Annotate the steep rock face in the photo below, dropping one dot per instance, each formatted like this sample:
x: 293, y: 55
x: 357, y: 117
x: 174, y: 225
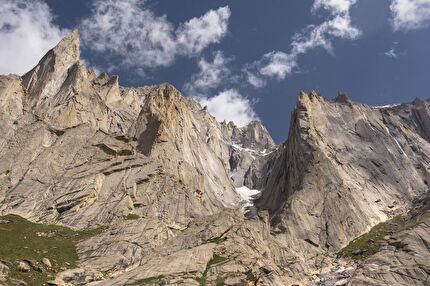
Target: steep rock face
x: 189, y: 142
x: 161, y: 175
x: 44, y: 81
x: 403, y: 258
x: 91, y: 141
x: 252, y: 136
x: 81, y: 151
x: 12, y: 98
x: 63, y: 92
x: 249, y: 148
x: 344, y: 168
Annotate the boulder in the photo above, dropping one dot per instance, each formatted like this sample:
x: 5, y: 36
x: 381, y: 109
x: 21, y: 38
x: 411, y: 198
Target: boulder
x: 22, y: 266
x: 47, y: 262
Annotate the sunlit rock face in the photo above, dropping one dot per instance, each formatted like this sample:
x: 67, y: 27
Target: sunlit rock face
x: 184, y: 199
x: 347, y: 166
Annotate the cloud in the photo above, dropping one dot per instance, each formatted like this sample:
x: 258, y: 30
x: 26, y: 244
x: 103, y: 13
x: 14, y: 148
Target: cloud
x: 230, y: 105
x: 391, y: 53
x: 227, y: 105
x: 278, y: 64
x: 322, y: 35
x: 27, y: 32
x: 334, y: 6
x: 274, y: 64
x: 210, y: 75
x: 410, y: 14
x: 198, y: 33
x: 130, y: 31
x: 254, y: 80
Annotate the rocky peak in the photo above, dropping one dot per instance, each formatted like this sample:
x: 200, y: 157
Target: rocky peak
x: 45, y: 80
x: 418, y: 101
x: 255, y: 134
x: 61, y: 90
x: 175, y: 130
x: 170, y: 184
x: 340, y: 148
x: 305, y: 99
x: 251, y: 136
x: 158, y: 118
x: 342, y: 97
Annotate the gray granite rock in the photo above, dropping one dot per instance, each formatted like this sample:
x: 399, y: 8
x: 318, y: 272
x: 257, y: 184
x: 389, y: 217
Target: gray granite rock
x: 82, y: 151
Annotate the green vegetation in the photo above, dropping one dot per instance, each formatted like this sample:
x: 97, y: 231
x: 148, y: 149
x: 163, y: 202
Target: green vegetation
x: 371, y: 241
x: 221, y: 238
x: 24, y: 240
x: 220, y: 281
x: 148, y: 280
x: 132, y: 216
x: 218, y: 239
x: 214, y: 260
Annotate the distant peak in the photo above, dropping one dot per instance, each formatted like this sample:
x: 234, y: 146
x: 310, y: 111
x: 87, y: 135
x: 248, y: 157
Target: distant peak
x: 418, y: 101
x: 314, y: 93
x: 305, y: 99
x: 45, y: 79
x: 342, y: 97
x: 66, y: 53
x: 72, y: 37
x: 69, y: 46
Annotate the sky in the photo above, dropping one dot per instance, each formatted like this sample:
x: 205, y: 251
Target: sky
x: 244, y: 59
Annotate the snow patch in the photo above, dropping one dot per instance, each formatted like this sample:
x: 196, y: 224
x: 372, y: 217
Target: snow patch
x: 252, y: 152
x: 248, y: 195
x: 397, y: 142
x: 368, y: 121
x: 385, y: 106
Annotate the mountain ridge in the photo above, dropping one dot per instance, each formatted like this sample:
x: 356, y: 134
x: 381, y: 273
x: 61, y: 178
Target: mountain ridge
x: 161, y: 175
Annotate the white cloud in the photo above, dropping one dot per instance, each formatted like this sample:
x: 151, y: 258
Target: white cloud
x: 230, y: 105
x: 322, y: 35
x: 410, y: 14
x: 198, y: 33
x: 227, y: 105
x: 342, y: 27
x: 27, y: 32
x: 210, y: 75
x: 131, y: 31
x: 391, y: 53
x: 334, y: 6
x: 279, y: 64
x: 254, y: 80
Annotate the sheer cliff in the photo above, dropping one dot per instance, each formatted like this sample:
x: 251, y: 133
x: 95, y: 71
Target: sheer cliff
x: 178, y: 198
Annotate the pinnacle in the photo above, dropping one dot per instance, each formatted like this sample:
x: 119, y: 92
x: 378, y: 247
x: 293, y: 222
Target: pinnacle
x: 69, y: 46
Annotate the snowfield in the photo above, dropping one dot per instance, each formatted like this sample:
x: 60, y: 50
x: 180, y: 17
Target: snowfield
x: 248, y: 195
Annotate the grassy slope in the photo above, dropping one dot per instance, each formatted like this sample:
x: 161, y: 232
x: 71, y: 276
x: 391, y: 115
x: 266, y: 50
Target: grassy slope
x: 21, y: 239
x: 371, y: 241
x: 214, y: 260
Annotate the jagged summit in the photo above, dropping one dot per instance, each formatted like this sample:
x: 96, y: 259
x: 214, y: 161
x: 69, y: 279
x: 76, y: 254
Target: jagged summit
x: 52, y: 67
x: 185, y: 200
x: 66, y: 52
x: 342, y: 97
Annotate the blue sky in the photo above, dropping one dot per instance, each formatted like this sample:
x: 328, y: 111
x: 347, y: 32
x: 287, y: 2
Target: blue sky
x: 245, y: 59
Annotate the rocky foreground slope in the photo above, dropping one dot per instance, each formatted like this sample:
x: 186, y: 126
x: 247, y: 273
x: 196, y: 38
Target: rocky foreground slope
x: 170, y: 196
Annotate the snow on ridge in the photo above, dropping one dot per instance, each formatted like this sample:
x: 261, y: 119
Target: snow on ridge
x: 251, y: 151
x: 248, y: 195
x: 397, y: 142
x: 368, y: 121
x: 385, y: 106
